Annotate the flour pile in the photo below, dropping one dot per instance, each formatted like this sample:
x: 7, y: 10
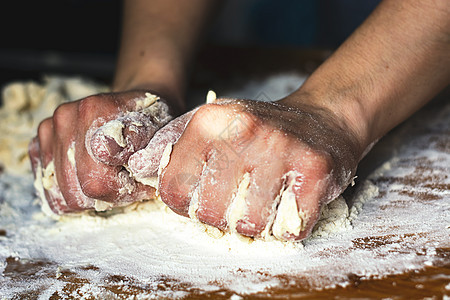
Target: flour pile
x: 166, y: 255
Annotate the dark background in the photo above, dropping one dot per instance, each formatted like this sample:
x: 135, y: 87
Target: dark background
x: 81, y: 37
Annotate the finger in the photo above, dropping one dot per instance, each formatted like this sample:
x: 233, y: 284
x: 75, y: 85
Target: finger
x: 309, y: 202
x: 45, y: 138
x: 210, y: 124
x: 66, y: 175
x: 33, y: 153
x: 64, y: 160
x: 179, y: 179
x: 96, y: 179
x: 181, y: 176
x: 107, y: 183
x: 115, y: 141
x: 218, y: 182
x: 264, y: 186
x: 52, y: 196
x: 305, y: 187
x: 51, y: 191
x: 56, y: 201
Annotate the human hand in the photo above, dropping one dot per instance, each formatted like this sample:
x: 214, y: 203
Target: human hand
x: 79, y: 154
x: 258, y: 168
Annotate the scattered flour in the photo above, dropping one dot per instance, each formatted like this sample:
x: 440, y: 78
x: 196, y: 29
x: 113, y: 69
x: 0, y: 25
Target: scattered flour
x: 150, y: 244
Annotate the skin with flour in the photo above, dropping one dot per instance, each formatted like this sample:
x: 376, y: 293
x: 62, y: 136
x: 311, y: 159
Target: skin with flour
x: 137, y: 120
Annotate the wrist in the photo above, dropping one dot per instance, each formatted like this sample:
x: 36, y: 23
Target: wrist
x: 328, y: 131
x: 159, y: 67
x: 346, y: 113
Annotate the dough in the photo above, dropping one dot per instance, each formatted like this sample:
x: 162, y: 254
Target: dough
x: 237, y: 209
x: 211, y: 97
x: 334, y: 218
x: 114, y: 129
x: 149, y: 99
x: 289, y: 219
x: 25, y: 105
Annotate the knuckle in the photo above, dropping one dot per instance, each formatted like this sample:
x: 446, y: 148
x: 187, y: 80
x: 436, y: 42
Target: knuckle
x: 324, y: 163
x: 91, y: 105
x: 224, y: 121
x: 206, y: 109
x: 94, y: 106
x: 201, y: 114
x: 62, y: 116
x: 45, y: 128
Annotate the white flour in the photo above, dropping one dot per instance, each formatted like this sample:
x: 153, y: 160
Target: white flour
x: 151, y: 245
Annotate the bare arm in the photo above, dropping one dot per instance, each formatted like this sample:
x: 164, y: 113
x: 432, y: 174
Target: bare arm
x: 158, y: 40
x: 392, y: 65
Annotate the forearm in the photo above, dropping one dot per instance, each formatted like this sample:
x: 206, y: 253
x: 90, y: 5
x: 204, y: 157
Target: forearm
x: 158, y: 40
x: 391, y: 66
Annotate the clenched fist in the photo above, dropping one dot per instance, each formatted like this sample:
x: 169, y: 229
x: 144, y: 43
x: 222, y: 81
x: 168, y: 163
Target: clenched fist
x: 80, y: 152
x: 253, y: 167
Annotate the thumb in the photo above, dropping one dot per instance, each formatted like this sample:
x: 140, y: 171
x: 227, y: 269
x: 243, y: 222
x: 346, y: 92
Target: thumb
x: 115, y: 141
x: 144, y: 164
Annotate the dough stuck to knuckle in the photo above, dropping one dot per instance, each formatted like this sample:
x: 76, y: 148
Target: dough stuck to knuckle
x: 113, y: 142
x: 149, y: 100
x: 193, y: 206
x: 151, y: 108
x: 267, y: 233
x: 238, y: 207
x: 141, y: 175
x: 48, y: 178
x: 289, y: 220
x: 194, y: 200
x: 165, y: 158
x: 114, y: 130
